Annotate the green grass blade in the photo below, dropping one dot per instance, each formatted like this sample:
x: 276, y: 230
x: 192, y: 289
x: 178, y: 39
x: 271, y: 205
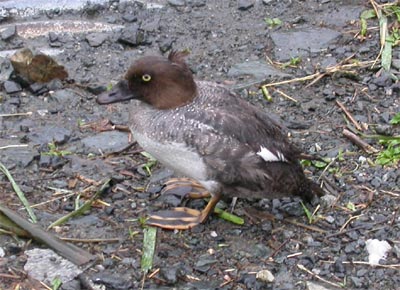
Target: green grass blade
x: 387, y: 56
x: 228, y: 216
x: 149, y: 245
x: 84, y: 207
x: 19, y: 192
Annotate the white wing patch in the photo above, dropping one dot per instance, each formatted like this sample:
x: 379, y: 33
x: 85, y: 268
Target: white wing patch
x: 269, y: 156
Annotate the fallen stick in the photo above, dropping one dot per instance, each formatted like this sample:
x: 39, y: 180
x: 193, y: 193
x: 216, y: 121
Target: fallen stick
x: 349, y: 115
x: 74, y: 254
x: 359, y: 142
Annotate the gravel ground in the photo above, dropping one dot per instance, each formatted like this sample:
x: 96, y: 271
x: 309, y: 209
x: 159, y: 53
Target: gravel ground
x: 231, y: 43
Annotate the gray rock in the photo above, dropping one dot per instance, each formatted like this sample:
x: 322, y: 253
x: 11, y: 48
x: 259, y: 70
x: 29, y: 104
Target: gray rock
x: 340, y: 16
x: 8, y: 33
x: 177, y: 2
x: 96, y: 39
x: 197, y: 3
x: 204, y: 263
x: 265, y: 276
x: 261, y: 251
x: 6, y: 68
x: 51, y: 161
x: 133, y: 36
x: 45, y: 265
x: 166, y: 44
x: 396, y: 64
x: 257, y: 70
x: 357, y: 282
x: 171, y: 274
x: 301, y: 43
x: 4, y: 14
x: 53, y: 36
x: 292, y: 208
x: 384, y: 80
x: 113, y: 280
x: 55, y: 85
x: 18, y: 156
x: 130, y: 17
x: 245, y: 4
x: 314, y: 286
x: 45, y: 135
x: 38, y: 88
x: 327, y: 200
x: 106, y: 142
x: 61, y: 98
x: 12, y: 87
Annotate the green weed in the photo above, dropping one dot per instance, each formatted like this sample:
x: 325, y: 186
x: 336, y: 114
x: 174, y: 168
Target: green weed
x: 391, y: 154
x: 272, y: 22
x: 54, y: 151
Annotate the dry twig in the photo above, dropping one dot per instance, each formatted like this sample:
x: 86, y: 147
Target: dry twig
x: 359, y: 142
x: 301, y: 267
x: 349, y: 115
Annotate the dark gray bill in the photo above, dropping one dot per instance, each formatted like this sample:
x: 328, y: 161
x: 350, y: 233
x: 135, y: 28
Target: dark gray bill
x: 120, y: 92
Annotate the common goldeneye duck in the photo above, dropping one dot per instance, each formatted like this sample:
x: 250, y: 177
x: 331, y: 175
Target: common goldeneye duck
x: 206, y: 132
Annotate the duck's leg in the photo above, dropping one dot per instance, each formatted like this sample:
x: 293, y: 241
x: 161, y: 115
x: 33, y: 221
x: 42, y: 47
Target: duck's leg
x: 184, y: 188
x: 183, y: 218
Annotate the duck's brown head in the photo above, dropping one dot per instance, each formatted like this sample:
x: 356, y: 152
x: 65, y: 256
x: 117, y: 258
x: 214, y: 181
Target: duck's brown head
x: 164, y: 83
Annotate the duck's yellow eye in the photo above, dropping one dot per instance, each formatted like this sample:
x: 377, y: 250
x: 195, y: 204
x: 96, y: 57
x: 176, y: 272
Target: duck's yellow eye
x: 146, y: 78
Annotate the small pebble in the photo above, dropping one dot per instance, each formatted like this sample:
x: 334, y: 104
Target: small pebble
x: 265, y: 276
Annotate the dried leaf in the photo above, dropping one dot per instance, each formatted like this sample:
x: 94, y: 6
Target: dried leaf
x: 37, y: 68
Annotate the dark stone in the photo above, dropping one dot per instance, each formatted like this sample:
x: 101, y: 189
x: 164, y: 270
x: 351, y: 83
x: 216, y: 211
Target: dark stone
x: 45, y: 135
x: 357, y: 282
x: 92, y: 9
x: 14, y: 101
x: 96, y: 89
x: 261, y: 251
x: 177, y: 2
x: 171, y: 274
x: 20, y: 80
x: 71, y: 285
x: 38, y: 88
x: 4, y: 14
x: 108, y: 262
x: 384, y: 80
x: 118, y: 196
x: 53, y: 36
x: 112, y: 281
x: 129, y: 17
x: 376, y: 182
x: 12, y: 87
x: 96, y: 39
x: 245, y: 4
x: 133, y: 36
x: 49, y: 161
x: 204, y: 263
x: 6, y: 68
x: 14, y: 249
x: 197, y: 3
x: 293, y: 208
x: 8, y: 33
x: 386, y: 130
x: 166, y: 44
x: 109, y: 210
x: 55, y: 85
x: 45, y: 160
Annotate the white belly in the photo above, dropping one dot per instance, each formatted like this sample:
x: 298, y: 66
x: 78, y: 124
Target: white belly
x: 175, y: 156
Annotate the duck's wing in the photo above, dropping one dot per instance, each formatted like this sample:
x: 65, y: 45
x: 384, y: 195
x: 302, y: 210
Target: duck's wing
x: 244, y: 148
x: 243, y: 126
